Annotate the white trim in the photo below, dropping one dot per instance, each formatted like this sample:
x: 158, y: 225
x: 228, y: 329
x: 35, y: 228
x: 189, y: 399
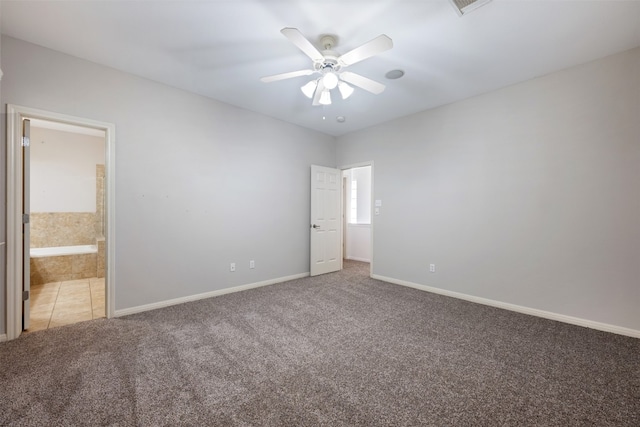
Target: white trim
x: 355, y: 258
x: 3, y: 337
x: 14, y: 224
x: 110, y: 218
x: 15, y: 114
x: 517, y: 308
x: 65, y: 127
x: 190, y: 298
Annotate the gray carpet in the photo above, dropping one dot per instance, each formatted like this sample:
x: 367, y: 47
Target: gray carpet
x: 335, y: 350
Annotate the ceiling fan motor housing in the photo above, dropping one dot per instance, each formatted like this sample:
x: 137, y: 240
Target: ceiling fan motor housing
x: 330, y: 63
x: 328, y: 41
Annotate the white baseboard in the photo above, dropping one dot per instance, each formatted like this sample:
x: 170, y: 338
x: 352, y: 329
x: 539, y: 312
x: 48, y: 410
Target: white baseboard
x: 355, y: 258
x: 517, y: 308
x: 3, y: 337
x: 181, y: 300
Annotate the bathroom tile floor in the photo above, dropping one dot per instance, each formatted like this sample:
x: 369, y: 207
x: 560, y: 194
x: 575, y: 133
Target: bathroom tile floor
x: 62, y: 303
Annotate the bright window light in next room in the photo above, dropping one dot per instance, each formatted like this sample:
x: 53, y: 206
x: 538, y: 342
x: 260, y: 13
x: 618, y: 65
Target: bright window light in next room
x: 353, y: 211
x: 358, y: 195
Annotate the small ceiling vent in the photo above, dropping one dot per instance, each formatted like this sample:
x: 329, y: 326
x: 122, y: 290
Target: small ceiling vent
x: 465, y: 6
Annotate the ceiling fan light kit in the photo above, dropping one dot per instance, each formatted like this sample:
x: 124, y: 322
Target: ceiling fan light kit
x: 325, y: 97
x: 309, y: 88
x: 345, y: 90
x: 330, y: 65
x: 330, y: 80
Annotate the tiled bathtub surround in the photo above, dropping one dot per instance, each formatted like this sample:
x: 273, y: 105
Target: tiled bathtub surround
x: 56, y: 229
x: 99, y: 215
x: 51, y: 229
x: 99, y: 220
x: 61, y: 268
x: 100, y: 258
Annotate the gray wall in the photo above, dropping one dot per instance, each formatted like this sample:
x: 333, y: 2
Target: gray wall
x: 529, y: 195
x: 3, y: 197
x: 199, y: 184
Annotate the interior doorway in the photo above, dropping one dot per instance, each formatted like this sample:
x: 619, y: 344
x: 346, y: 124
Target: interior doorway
x: 358, y: 212
x: 62, y: 169
x: 66, y: 253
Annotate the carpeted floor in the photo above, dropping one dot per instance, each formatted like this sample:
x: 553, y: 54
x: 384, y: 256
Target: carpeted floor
x: 335, y: 350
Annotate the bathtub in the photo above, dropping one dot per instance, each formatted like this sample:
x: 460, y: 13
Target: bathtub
x: 62, y: 263
x: 63, y: 250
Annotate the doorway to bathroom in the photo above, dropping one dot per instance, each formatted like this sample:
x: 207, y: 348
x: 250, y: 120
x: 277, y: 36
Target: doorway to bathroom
x: 66, y: 221
x: 60, y: 220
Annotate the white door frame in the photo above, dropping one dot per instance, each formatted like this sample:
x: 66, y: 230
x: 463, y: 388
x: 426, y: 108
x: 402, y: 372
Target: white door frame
x: 359, y: 165
x: 15, y: 114
x: 26, y: 226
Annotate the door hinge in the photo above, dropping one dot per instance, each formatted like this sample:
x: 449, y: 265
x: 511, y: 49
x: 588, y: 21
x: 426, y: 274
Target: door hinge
x: 26, y: 141
x: 25, y: 218
x: 25, y: 295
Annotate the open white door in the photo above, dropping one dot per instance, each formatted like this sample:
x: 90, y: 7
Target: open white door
x: 326, y: 222
x: 26, y: 244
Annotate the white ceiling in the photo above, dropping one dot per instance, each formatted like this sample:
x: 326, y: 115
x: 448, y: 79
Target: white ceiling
x: 221, y: 48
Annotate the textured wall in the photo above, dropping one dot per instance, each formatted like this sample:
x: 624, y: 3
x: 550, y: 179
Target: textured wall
x: 3, y: 196
x: 528, y: 195
x: 100, y: 207
x: 49, y: 229
x: 61, y: 268
x: 63, y: 170
x: 198, y: 183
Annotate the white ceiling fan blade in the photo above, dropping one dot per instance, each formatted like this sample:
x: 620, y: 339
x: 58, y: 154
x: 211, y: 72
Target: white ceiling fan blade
x: 316, y: 96
x: 367, y: 50
x: 289, y: 75
x: 362, y: 82
x: 296, y: 37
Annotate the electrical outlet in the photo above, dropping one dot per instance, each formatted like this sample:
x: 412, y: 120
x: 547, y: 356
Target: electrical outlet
x: 232, y: 266
x: 432, y: 268
x: 252, y: 264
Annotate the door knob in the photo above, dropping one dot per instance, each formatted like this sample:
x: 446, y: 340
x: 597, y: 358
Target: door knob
x: 315, y: 226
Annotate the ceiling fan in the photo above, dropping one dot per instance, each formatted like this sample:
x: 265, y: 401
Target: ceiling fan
x: 330, y: 65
